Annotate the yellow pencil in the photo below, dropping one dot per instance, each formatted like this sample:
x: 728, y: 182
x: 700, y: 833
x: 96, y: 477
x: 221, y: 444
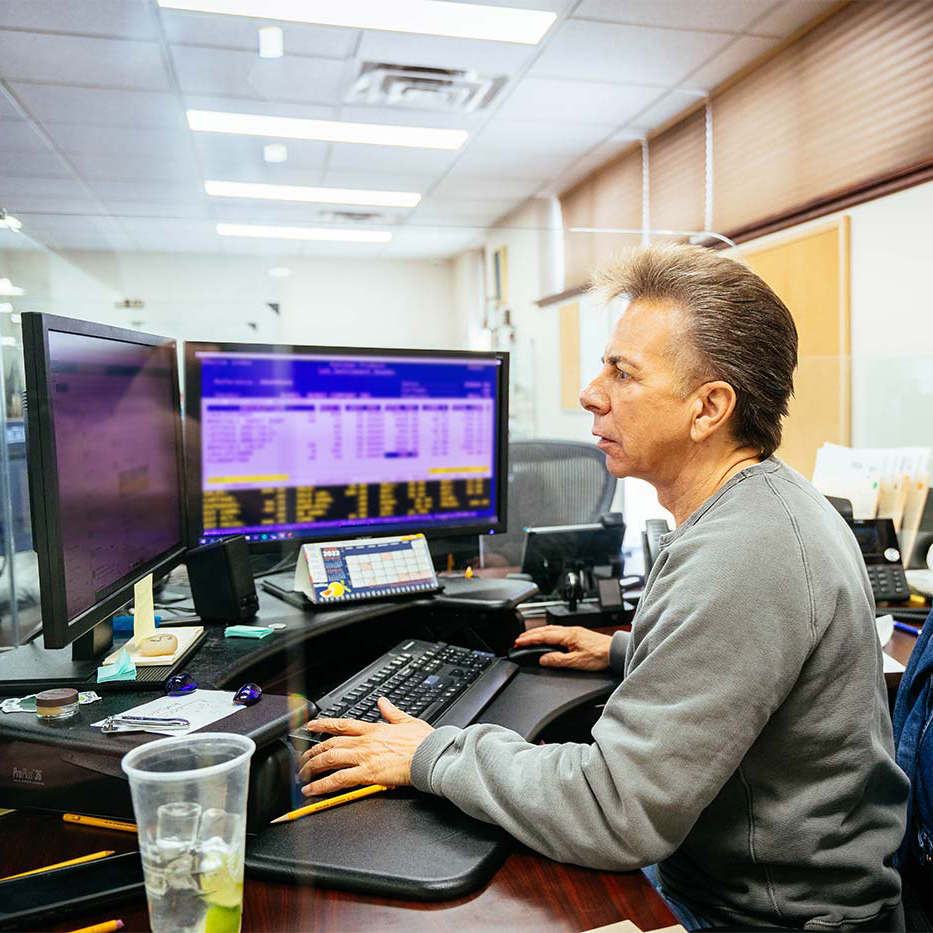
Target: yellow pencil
x: 331, y: 802
x: 71, y: 861
x: 94, y: 821
x: 109, y: 927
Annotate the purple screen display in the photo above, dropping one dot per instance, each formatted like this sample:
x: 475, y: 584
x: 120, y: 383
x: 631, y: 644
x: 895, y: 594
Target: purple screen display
x: 114, y: 410
x: 297, y: 442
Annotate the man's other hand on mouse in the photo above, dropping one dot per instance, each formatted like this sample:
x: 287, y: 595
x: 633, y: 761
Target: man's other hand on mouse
x: 586, y: 650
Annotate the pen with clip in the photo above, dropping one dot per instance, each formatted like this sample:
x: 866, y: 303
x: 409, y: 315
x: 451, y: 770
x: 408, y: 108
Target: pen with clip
x: 119, y: 723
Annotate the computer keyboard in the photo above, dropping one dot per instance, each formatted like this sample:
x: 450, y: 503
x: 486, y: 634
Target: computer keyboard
x: 437, y: 682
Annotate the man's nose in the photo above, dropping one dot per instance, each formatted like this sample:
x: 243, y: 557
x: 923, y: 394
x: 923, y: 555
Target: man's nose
x: 594, y: 398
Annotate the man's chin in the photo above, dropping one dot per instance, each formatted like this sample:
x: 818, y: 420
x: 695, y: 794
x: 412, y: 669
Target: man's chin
x: 617, y: 465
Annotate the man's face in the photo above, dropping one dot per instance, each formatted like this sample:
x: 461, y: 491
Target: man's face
x: 642, y: 424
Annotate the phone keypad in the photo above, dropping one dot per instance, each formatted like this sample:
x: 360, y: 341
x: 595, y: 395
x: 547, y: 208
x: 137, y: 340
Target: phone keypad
x: 888, y: 582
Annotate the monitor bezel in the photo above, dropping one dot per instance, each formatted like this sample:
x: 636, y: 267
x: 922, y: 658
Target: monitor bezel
x: 192, y: 402
x: 42, y: 463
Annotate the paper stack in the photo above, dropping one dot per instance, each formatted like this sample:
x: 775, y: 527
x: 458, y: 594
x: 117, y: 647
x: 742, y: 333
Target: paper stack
x: 880, y: 482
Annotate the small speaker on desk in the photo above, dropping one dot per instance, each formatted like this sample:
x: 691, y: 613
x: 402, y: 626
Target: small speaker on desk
x: 222, y: 583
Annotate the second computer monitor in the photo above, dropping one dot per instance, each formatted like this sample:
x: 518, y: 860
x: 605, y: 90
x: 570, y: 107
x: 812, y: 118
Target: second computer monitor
x: 304, y: 443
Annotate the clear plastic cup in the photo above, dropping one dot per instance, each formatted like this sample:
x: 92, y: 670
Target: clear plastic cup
x: 189, y: 796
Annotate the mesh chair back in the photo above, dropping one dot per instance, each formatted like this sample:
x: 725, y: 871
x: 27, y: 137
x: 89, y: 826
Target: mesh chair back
x: 551, y: 483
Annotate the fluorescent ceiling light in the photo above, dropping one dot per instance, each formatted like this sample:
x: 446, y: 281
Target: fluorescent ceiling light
x: 6, y: 307
x: 331, y: 131
x: 16, y: 318
x: 8, y: 288
x: 305, y: 233
x: 275, y: 152
x: 241, y: 189
x: 280, y: 272
x: 428, y: 17
x: 9, y: 222
x: 271, y: 43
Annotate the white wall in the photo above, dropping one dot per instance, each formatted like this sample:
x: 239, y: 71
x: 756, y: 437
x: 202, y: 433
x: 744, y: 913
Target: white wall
x: 393, y: 303
x: 891, y: 316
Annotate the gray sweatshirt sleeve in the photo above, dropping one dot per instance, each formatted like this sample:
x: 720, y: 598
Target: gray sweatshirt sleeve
x: 710, y: 662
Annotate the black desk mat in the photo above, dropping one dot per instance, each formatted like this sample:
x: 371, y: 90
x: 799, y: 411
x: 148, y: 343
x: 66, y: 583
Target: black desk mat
x: 403, y: 843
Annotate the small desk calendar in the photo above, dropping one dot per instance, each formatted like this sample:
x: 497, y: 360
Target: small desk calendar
x: 334, y: 572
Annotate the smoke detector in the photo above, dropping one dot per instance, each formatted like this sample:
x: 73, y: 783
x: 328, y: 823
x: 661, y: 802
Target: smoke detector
x: 442, y: 89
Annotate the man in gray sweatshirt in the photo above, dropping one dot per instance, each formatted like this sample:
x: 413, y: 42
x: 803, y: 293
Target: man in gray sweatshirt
x: 746, y: 755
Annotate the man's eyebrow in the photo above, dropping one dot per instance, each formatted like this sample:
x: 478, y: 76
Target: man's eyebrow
x: 615, y: 359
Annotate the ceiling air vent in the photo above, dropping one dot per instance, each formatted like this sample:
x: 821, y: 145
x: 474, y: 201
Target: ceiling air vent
x: 441, y: 89
x: 352, y: 217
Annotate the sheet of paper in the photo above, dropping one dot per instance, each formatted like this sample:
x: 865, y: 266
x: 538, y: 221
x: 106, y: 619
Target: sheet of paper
x: 200, y: 708
x: 892, y: 665
x: 143, y: 611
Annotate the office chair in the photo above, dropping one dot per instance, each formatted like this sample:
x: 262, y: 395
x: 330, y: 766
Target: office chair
x: 550, y: 483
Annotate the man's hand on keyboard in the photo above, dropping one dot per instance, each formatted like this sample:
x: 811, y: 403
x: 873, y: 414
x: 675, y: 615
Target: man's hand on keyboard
x: 363, y: 752
x: 586, y: 650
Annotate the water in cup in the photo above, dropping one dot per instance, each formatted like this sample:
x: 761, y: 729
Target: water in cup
x: 189, y: 797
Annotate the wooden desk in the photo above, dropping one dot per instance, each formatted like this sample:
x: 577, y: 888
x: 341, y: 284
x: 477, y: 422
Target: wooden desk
x: 529, y: 892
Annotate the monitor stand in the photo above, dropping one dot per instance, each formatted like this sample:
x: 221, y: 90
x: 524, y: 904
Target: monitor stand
x: 33, y: 667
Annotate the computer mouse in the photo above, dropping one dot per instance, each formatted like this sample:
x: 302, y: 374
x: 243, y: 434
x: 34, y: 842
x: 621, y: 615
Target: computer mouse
x: 529, y: 656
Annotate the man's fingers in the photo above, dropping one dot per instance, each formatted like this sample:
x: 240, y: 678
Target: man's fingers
x: 390, y: 712
x: 332, y: 742
x: 557, y: 659
x: 340, y: 726
x: 545, y: 635
x: 329, y: 761
x: 339, y: 780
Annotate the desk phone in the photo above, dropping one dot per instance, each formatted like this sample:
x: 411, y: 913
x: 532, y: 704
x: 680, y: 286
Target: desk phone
x: 339, y: 572
x: 877, y: 540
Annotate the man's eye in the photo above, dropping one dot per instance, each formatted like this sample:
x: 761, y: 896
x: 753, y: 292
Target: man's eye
x: 621, y: 374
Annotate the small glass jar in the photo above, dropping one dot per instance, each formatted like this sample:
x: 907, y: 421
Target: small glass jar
x: 57, y: 704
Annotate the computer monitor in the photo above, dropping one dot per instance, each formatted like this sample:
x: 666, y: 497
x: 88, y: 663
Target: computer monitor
x: 106, y: 476
x: 551, y: 551
x: 291, y: 444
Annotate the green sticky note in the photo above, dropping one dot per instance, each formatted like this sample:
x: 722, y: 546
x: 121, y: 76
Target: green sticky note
x: 246, y: 631
x: 122, y: 669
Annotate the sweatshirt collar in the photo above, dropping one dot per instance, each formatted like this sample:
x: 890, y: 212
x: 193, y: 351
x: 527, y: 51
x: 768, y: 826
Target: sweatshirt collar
x: 770, y: 465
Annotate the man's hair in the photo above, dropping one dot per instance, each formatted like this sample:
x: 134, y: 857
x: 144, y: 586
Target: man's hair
x: 737, y: 330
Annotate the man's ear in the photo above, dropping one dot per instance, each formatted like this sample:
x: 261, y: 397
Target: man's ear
x: 713, y: 407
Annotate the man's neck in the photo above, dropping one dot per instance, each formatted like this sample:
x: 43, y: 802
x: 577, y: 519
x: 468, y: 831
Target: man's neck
x: 700, y: 478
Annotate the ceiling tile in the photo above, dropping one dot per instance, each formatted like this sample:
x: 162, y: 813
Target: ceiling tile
x: 7, y: 109
x: 12, y: 240
x: 79, y: 231
x: 718, y: 15
x: 76, y: 138
x: 29, y: 189
x: 240, y: 32
x: 245, y: 74
x: 531, y: 150
x: 626, y: 54
x: 99, y: 107
x: 392, y: 160
x: 19, y: 136
x: 665, y: 109
x: 386, y: 182
x: 252, y: 246
x: 452, y: 213
x: 128, y: 19
x: 487, y: 58
x: 155, y: 233
x: 460, y: 184
x: 271, y: 108
x: 563, y: 101
x: 97, y: 165
x: 226, y: 156
x: 39, y: 165
x: 80, y: 60
x: 147, y: 191
x: 789, y: 16
x: 183, y: 210
x: 404, y: 116
x: 743, y: 51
